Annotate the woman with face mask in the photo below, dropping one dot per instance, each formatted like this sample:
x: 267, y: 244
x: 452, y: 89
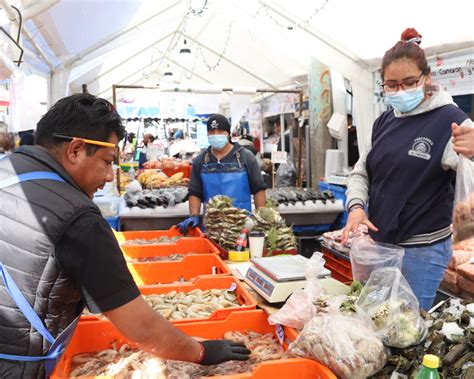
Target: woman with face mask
x: 223, y: 169
x: 405, y: 176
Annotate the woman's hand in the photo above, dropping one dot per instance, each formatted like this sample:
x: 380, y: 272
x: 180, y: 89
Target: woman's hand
x: 463, y: 140
x: 356, y: 217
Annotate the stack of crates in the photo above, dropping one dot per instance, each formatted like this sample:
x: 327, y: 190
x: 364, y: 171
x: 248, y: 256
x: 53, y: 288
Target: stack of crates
x: 200, y: 268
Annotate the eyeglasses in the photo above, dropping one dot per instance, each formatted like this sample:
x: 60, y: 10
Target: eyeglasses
x: 407, y: 84
x: 85, y: 140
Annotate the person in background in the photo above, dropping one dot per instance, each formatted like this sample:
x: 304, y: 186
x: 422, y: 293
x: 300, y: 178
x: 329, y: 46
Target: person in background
x: 27, y: 138
x: 223, y: 169
x: 286, y: 134
x: 58, y: 254
x: 141, y: 156
x: 178, y: 134
x: 148, y: 138
x: 7, y: 144
x: 406, y: 174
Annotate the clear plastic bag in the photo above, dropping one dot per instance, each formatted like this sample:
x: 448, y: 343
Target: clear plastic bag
x: 300, y: 308
x: 345, y: 344
x: 389, y: 304
x: 368, y: 255
x: 286, y: 175
x: 463, y: 215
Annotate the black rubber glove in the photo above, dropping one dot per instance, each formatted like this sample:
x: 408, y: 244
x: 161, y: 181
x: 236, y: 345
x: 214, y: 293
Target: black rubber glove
x: 218, y: 351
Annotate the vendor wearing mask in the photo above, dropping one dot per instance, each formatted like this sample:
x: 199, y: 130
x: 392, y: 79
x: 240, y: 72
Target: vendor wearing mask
x: 58, y: 254
x: 223, y: 169
x: 406, y: 173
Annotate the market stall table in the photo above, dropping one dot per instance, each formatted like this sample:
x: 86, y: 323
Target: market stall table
x: 136, y: 218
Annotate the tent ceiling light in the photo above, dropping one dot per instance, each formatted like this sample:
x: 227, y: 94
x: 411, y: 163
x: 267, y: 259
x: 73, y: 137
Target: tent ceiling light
x: 185, y: 49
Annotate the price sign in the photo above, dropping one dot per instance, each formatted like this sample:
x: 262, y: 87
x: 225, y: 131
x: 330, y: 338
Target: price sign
x: 280, y: 333
x: 155, y: 150
x: 279, y: 156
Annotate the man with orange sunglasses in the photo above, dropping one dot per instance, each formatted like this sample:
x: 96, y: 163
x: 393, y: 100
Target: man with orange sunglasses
x: 58, y: 254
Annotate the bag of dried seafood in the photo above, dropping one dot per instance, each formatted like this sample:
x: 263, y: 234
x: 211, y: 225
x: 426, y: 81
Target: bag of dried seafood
x: 300, y: 308
x: 368, y: 255
x: 390, y: 306
x: 463, y: 215
x: 345, y: 344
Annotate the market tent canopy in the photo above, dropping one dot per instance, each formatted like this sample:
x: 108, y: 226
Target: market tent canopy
x: 233, y: 43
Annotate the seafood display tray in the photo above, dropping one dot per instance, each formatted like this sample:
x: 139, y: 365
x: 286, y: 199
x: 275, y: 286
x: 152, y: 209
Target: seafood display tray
x: 203, y: 283
x: 189, y: 268
x: 151, y: 234
x: 183, y: 246
x: 150, y: 222
x: 95, y: 336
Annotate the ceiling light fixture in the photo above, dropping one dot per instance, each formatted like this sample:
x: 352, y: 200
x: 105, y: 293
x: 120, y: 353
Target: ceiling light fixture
x: 168, y: 75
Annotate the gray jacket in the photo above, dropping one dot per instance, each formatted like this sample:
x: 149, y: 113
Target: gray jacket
x: 33, y: 217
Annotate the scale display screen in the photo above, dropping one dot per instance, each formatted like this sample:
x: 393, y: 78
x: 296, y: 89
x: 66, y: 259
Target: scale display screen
x: 282, y: 268
x: 260, y: 282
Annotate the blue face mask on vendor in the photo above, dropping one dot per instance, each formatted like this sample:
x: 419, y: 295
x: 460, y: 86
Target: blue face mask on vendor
x: 405, y: 100
x: 218, y: 141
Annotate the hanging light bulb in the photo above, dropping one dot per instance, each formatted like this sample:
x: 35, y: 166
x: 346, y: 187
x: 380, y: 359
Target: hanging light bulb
x: 185, y: 54
x: 168, y: 75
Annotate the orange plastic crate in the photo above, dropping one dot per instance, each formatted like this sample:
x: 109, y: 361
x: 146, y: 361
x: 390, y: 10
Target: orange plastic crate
x: 203, y: 283
x: 150, y: 234
x: 183, y: 246
x: 95, y: 336
x: 186, y: 170
x: 189, y: 268
x: 340, y: 268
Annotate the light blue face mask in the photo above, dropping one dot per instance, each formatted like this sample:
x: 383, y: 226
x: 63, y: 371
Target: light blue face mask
x: 218, y: 141
x: 405, y: 101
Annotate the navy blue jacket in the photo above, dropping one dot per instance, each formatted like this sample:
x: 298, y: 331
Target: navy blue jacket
x: 410, y: 193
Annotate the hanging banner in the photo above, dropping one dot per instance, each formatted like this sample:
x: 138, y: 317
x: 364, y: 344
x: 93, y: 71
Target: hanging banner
x: 279, y: 103
x: 255, y: 123
x: 455, y: 73
x: 320, y: 111
x: 238, y: 106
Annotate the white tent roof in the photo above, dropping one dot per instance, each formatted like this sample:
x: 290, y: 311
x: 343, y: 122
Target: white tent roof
x: 259, y: 43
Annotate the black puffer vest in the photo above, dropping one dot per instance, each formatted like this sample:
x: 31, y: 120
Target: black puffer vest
x: 33, y: 217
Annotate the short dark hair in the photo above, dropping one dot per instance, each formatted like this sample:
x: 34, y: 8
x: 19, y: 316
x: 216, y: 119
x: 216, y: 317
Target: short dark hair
x: 80, y: 115
x: 408, y: 47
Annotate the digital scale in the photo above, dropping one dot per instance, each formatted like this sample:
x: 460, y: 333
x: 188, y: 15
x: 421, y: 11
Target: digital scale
x: 276, y: 278
x: 339, y: 179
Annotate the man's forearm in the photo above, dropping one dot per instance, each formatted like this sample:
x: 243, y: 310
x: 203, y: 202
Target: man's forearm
x: 260, y: 199
x: 138, y: 322
x: 194, y: 205
x: 168, y: 342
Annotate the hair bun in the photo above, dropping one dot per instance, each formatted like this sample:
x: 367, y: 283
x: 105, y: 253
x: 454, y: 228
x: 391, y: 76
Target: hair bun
x: 411, y: 35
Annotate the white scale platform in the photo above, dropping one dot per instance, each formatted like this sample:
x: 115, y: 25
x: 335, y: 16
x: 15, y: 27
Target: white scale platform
x: 276, y: 278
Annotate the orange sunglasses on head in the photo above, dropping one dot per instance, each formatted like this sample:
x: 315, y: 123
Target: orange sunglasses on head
x: 85, y: 140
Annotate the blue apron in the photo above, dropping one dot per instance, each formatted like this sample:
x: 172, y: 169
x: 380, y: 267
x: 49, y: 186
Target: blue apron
x: 59, y: 344
x: 229, y: 179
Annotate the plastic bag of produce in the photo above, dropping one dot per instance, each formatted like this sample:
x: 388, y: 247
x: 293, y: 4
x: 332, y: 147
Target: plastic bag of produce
x: 368, y: 256
x: 345, y: 344
x: 463, y: 215
x: 389, y: 304
x: 286, y: 175
x: 300, y: 308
